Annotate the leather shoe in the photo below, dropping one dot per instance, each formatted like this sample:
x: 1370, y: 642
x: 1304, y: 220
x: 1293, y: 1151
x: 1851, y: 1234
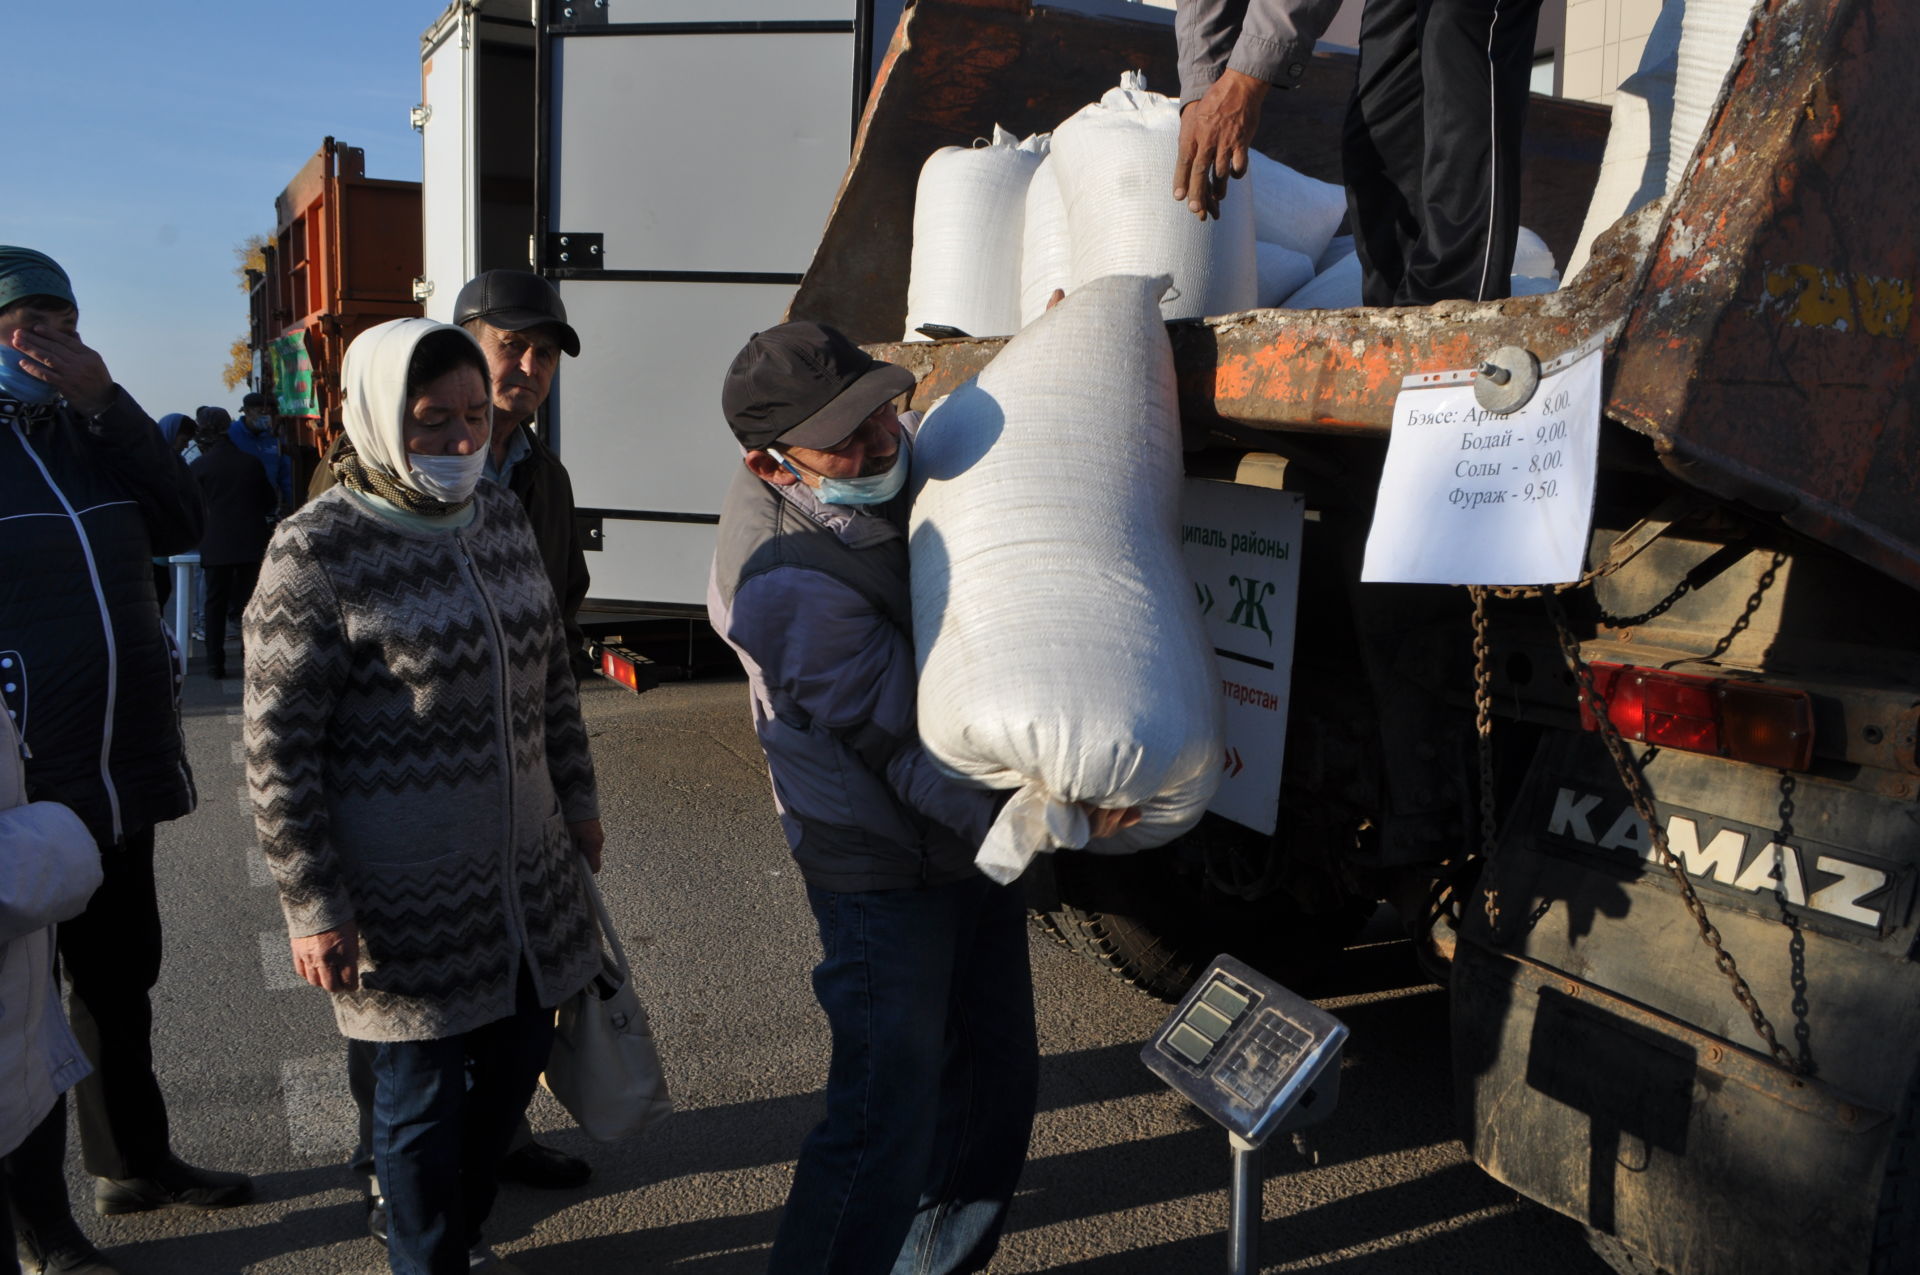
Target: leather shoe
x: 545, y: 1167
x: 174, y: 1182
x: 61, y: 1250
x: 377, y: 1216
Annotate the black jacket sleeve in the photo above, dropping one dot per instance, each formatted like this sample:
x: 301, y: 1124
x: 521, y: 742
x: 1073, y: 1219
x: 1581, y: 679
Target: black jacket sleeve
x: 125, y: 443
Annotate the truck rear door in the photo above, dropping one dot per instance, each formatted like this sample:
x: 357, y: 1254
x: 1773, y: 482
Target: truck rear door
x: 689, y: 154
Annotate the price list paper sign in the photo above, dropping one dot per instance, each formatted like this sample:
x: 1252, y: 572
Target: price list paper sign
x: 1470, y: 496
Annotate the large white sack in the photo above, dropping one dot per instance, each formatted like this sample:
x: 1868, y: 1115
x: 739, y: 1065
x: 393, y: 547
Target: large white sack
x: 1531, y: 257
x: 1335, y: 288
x: 1710, y: 32
x: 1633, y: 170
x: 1290, y: 208
x: 1282, y: 272
x: 1337, y: 248
x: 967, y: 215
x: 1114, y: 163
x: 1060, y: 650
x: 1046, y: 258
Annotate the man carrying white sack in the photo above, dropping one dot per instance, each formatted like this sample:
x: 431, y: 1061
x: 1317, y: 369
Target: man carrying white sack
x: 1431, y: 149
x: 924, y: 976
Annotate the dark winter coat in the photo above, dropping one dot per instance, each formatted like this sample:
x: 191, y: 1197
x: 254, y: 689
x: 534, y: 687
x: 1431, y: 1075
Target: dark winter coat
x: 89, y: 674
x: 240, y: 504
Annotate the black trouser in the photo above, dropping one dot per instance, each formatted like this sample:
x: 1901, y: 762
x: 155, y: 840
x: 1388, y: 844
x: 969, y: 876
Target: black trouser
x: 1432, y: 147
x: 229, y: 586
x: 111, y: 956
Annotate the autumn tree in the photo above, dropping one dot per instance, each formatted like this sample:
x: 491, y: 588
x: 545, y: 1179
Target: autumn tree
x: 250, y: 254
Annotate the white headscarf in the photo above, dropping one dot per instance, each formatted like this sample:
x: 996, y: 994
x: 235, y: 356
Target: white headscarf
x: 373, y: 392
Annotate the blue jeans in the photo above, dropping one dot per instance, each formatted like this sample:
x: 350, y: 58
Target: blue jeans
x: 931, y: 1090
x: 443, y: 1111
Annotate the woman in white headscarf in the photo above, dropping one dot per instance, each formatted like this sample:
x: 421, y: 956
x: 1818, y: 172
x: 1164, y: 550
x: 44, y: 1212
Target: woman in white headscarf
x: 420, y: 779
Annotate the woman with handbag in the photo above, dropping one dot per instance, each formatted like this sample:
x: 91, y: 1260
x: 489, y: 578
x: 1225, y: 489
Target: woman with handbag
x: 420, y: 780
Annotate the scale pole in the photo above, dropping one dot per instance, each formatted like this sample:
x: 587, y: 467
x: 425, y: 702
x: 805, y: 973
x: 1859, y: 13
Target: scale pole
x: 1243, y: 1219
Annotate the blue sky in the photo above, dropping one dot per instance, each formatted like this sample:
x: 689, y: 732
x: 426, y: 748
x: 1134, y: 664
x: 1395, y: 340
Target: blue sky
x: 154, y: 138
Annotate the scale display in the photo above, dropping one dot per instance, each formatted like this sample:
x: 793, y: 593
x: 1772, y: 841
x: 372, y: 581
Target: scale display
x: 1249, y: 1053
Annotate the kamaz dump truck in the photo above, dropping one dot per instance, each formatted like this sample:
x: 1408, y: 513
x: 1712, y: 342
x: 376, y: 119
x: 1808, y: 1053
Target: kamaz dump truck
x: 1675, y: 873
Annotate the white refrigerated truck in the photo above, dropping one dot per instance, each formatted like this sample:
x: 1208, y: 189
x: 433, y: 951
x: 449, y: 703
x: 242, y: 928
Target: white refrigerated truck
x: 669, y: 164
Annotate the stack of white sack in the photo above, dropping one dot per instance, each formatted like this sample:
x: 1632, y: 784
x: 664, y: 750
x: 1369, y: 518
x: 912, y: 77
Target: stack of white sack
x: 1290, y: 209
x: 1114, y: 164
x: 967, y: 215
x: 1060, y: 651
x: 1337, y: 286
x: 1662, y: 109
x: 1046, y: 256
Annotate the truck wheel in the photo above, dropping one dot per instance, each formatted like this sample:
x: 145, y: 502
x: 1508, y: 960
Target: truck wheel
x: 1154, y: 920
x: 1896, y: 1231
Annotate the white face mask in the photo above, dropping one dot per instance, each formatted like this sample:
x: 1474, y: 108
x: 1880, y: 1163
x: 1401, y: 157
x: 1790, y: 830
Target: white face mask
x: 448, y: 478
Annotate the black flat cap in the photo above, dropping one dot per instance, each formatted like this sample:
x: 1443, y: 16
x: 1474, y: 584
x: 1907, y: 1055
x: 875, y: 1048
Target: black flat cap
x: 805, y: 385
x: 515, y: 300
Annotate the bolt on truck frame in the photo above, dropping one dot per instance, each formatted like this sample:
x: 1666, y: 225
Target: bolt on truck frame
x: 1686, y: 1008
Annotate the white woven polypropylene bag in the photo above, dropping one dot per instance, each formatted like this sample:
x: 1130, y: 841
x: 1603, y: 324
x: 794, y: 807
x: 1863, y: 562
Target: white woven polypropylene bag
x: 1290, y: 208
x: 1633, y: 171
x: 1710, y: 32
x: 1060, y: 650
x: 1335, y: 288
x: 1114, y: 163
x: 1283, y: 272
x: 967, y: 215
x: 1046, y: 256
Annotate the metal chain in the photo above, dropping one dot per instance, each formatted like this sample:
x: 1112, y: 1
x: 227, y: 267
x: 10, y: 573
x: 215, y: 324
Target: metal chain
x: 1483, y: 730
x: 1635, y: 785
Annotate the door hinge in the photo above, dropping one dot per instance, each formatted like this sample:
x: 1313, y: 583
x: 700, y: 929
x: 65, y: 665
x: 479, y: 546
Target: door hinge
x: 571, y: 15
x: 422, y: 288
x: 570, y: 250
x: 419, y: 116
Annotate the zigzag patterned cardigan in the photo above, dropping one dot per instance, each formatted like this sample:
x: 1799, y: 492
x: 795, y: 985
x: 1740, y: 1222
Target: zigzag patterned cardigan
x: 414, y: 754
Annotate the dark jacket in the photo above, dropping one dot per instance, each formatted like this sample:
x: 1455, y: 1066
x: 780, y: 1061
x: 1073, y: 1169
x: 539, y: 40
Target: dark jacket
x: 546, y: 493
x: 240, y: 504
x: 815, y: 599
x: 86, y: 667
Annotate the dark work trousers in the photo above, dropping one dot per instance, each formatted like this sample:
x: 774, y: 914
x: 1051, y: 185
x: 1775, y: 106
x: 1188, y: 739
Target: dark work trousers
x: 360, y: 1085
x: 228, y: 589
x: 443, y: 1111
x: 931, y: 1088
x: 1432, y: 147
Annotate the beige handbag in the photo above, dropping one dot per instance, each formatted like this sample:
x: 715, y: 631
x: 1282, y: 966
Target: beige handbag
x: 605, y: 1068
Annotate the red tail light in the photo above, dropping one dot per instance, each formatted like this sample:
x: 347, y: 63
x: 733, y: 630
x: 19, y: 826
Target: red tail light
x: 621, y: 671
x: 1743, y: 721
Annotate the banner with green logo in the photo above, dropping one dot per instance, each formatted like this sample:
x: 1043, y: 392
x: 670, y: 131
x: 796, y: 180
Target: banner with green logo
x: 293, y: 375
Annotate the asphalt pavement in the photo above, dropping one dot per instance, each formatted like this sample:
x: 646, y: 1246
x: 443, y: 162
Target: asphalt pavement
x: 1124, y: 1178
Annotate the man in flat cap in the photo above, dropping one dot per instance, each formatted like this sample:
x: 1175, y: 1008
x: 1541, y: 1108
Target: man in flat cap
x: 91, y: 492
x: 923, y: 976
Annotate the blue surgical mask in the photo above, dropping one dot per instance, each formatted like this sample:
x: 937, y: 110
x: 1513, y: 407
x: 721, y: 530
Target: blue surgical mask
x: 875, y: 489
x: 17, y: 383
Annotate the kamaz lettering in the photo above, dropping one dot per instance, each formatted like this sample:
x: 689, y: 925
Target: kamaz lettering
x: 1724, y: 858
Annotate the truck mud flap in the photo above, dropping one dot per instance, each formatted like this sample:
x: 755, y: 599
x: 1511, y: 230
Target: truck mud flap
x: 1705, y: 1157
x: 1602, y: 1066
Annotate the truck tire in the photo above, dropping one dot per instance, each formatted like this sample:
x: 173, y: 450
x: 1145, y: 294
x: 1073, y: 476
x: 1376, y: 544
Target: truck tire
x: 1896, y: 1231
x: 1154, y: 921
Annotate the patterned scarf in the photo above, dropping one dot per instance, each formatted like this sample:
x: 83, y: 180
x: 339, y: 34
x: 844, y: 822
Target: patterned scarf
x: 356, y: 475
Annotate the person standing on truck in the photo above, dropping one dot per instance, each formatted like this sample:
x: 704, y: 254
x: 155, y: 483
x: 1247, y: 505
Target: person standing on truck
x: 1431, y: 149
x: 90, y: 492
x: 521, y: 325
x: 924, y: 975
